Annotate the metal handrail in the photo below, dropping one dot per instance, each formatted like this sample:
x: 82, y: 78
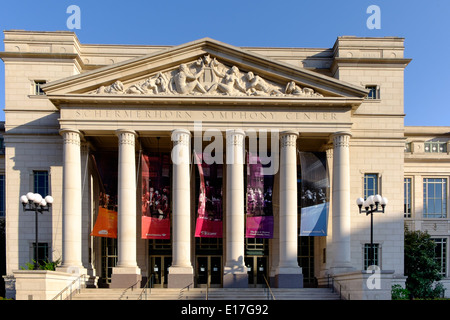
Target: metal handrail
x: 130, y: 287
x: 180, y: 295
x: 333, y: 286
x: 144, y: 290
x: 59, y: 296
x: 268, y: 287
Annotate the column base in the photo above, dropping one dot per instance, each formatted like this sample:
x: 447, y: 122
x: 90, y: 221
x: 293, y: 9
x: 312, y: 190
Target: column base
x: 125, y: 277
x: 235, y: 277
x: 180, y: 277
x: 289, y: 277
x: 344, y: 268
x: 72, y: 269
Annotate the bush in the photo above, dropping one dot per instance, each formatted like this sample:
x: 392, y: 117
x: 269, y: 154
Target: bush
x: 421, y: 267
x: 45, y: 265
x: 400, y: 293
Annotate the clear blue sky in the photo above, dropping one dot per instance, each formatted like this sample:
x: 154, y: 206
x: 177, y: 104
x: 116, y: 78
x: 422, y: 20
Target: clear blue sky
x: 289, y: 23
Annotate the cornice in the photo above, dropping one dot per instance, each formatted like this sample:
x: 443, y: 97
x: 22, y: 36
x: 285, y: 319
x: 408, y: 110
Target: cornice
x: 145, y: 101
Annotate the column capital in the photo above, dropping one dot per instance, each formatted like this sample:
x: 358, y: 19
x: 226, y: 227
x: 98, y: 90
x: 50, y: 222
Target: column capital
x: 71, y: 136
x: 66, y: 130
x: 341, y: 139
x: 126, y: 136
x: 288, y: 138
x: 181, y: 131
x: 181, y: 137
x: 289, y: 132
x: 235, y: 137
x: 119, y: 132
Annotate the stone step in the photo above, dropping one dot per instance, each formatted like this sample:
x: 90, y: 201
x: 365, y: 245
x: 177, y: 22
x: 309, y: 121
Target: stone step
x: 210, y: 294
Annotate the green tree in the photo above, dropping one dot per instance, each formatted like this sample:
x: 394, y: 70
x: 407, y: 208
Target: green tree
x: 421, y: 268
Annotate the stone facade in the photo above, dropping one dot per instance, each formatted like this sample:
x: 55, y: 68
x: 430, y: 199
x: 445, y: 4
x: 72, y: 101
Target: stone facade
x: 123, y: 98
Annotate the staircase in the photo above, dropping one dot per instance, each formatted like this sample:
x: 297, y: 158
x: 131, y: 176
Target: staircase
x: 210, y: 294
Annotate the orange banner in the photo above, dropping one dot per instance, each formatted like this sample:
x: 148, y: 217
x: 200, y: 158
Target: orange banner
x: 106, y: 224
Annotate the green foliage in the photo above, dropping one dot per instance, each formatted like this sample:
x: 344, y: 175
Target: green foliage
x: 399, y: 293
x: 45, y: 265
x: 421, y: 267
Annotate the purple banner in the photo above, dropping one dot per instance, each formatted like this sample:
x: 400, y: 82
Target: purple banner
x: 209, y: 213
x: 259, y: 222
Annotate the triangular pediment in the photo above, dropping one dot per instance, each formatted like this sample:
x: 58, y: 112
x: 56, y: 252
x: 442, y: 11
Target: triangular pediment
x: 203, y: 68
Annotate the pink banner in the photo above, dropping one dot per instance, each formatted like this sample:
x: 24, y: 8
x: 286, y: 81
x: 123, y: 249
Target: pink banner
x: 209, y: 213
x: 259, y: 222
x: 155, y: 223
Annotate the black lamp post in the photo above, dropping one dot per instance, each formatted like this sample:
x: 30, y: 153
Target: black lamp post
x: 34, y: 202
x: 372, y: 204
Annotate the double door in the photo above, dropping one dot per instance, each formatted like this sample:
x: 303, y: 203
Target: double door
x: 209, y: 271
x: 256, y: 271
x: 159, y: 269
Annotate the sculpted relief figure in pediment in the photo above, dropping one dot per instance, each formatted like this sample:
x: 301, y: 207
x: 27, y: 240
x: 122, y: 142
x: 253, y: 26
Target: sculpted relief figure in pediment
x: 207, y: 76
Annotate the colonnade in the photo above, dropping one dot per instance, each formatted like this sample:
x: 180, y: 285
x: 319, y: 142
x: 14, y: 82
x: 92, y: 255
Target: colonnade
x: 127, y: 272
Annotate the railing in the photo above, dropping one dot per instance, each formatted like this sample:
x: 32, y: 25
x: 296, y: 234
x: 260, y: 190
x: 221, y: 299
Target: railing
x: 180, y: 295
x: 70, y: 288
x: 333, y: 286
x: 270, y: 295
x: 148, y: 285
x: 126, y: 290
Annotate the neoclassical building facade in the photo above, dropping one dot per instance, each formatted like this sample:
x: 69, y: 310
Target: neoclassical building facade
x: 156, y: 143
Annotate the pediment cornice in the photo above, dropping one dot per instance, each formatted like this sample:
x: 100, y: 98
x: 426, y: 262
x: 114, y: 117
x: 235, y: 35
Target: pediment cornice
x: 203, y: 68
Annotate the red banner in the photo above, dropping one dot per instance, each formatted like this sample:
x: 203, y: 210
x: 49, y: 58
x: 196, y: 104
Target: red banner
x: 155, y: 197
x: 106, y: 224
x: 209, y: 213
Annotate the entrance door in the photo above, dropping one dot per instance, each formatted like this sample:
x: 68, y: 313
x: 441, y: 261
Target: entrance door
x: 159, y: 268
x: 209, y: 271
x: 256, y: 270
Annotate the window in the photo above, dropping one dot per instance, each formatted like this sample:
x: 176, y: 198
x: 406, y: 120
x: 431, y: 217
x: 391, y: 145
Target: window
x: 37, y: 90
x: 441, y: 254
x: 408, y: 147
x: 40, y: 183
x: 407, y: 198
x: 375, y: 255
x: 436, y: 147
x: 370, y: 184
x: 374, y: 92
x: 42, y: 252
x: 2, y: 195
x: 434, y: 198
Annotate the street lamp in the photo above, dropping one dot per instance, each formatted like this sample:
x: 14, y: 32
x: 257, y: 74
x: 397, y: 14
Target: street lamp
x: 372, y: 204
x: 34, y: 202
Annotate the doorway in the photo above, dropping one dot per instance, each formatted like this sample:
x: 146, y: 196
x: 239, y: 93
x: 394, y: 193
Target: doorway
x: 159, y: 269
x: 256, y: 270
x: 209, y: 271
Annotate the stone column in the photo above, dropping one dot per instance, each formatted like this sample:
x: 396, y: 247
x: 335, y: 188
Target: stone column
x: 235, y: 272
x: 181, y: 272
x: 71, y: 203
x: 289, y: 274
x: 341, y: 203
x: 126, y: 272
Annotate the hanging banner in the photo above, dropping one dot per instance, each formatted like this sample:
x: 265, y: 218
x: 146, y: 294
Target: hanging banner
x: 259, y: 217
x: 209, y: 213
x: 106, y: 224
x: 314, y: 194
x: 105, y: 168
x: 155, y: 222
